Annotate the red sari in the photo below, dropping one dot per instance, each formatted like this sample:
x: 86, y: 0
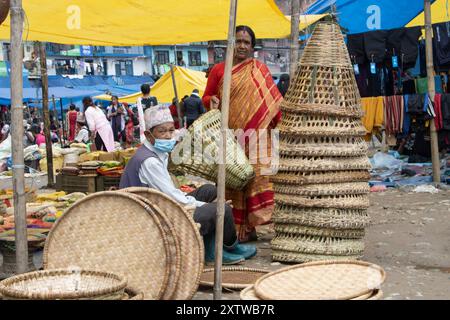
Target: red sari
x: 254, y: 104
x: 72, y: 124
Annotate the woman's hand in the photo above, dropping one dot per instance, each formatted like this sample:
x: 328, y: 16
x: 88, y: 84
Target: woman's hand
x: 215, y: 102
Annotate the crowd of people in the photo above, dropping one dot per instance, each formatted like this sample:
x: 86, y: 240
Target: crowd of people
x: 153, y: 127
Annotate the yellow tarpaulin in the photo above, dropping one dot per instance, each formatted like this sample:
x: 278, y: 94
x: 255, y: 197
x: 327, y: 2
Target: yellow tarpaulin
x: 141, y: 22
x: 439, y: 13
x: 186, y: 80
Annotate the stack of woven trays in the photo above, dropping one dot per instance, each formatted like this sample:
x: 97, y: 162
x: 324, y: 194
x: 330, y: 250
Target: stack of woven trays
x: 321, y: 189
x: 139, y: 233
x: 322, y: 280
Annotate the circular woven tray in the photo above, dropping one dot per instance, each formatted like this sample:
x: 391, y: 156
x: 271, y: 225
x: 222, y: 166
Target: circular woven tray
x: 301, y: 163
x: 249, y: 294
x: 358, y: 201
x: 320, y: 232
x: 189, y: 238
x: 233, y: 277
x: 316, y: 177
x: 326, y: 280
x: 321, y: 217
x: 323, y: 189
x: 377, y: 295
x: 317, y: 245
x: 64, y: 284
x: 307, y: 125
x: 300, y: 257
x: 174, y: 247
x: 116, y: 232
x: 322, y: 146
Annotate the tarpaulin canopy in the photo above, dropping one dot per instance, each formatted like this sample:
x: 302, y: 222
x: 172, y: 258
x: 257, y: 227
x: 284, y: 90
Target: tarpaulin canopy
x: 358, y: 16
x: 186, y: 81
x: 142, y: 22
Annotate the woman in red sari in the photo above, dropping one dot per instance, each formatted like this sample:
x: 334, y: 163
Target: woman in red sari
x: 72, y: 122
x: 254, y: 104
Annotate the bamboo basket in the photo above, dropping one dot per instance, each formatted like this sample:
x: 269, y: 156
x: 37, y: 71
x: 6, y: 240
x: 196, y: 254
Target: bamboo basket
x: 300, y: 257
x: 317, y: 177
x: 358, y: 201
x: 296, y: 229
x: 318, y: 245
x: 64, y: 284
x: 203, y: 144
x: 321, y: 217
x: 323, y: 189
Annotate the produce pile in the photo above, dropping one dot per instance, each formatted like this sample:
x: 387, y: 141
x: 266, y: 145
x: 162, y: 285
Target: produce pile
x: 42, y: 212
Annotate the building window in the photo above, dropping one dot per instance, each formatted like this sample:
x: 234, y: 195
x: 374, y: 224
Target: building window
x: 162, y: 57
x: 65, y: 67
x: 195, y: 58
x: 124, y: 67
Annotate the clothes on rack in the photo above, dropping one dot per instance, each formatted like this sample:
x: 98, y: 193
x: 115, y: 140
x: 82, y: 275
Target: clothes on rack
x: 394, y: 114
x: 373, y: 114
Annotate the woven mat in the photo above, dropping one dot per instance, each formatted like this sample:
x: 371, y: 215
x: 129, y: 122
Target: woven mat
x: 189, y: 238
x: 112, y: 231
x: 233, y: 277
x: 330, y: 280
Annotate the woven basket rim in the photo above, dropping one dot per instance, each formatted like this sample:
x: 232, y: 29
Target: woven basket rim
x: 246, y: 290
x: 193, y: 225
x: 231, y: 269
x: 149, y: 211
x: 262, y: 294
x: 5, y: 290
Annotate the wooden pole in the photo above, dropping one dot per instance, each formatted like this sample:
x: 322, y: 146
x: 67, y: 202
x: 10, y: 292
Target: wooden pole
x: 18, y: 167
x: 431, y: 91
x: 48, y: 138
x: 172, y: 73
x: 295, y: 22
x: 223, y: 151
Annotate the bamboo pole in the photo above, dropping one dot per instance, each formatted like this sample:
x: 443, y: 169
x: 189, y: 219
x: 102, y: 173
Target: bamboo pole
x: 18, y: 167
x: 172, y: 73
x: 431, y: 91
x: 223, y: 152
x: 295, y: 22
x: 48, y: 138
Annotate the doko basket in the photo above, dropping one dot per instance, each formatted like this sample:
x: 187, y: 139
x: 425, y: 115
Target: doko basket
x: 198, y: 153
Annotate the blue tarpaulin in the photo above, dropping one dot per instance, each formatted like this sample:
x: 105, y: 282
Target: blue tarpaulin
x: 73, y: 89
x: 358, y: 16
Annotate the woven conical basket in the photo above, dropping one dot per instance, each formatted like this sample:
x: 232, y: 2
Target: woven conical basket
x: 321, y: 189
x: 324, y: 83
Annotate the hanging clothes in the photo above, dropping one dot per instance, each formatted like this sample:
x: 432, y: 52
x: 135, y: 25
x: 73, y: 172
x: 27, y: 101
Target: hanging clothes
x: 373, y: 114
x: 437, y: 108
x: 406, y: 117
x: 416, y: 104
x: 409, y: 87
x: 441, y: 44
x: 375, y: 45
x: 394, y: 114
x: 445, y: 110
x: 355, y: 45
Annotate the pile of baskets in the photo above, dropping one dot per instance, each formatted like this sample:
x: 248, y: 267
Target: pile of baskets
x: 198, y: 153
x: 321, y: 189
x: 135, y: 243
x: 323, y: 280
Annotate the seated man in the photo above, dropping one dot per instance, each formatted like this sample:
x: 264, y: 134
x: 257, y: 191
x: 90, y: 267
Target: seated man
x: 148, y: 168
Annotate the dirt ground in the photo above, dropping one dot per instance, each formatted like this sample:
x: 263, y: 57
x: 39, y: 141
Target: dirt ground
x: 409, y: 237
